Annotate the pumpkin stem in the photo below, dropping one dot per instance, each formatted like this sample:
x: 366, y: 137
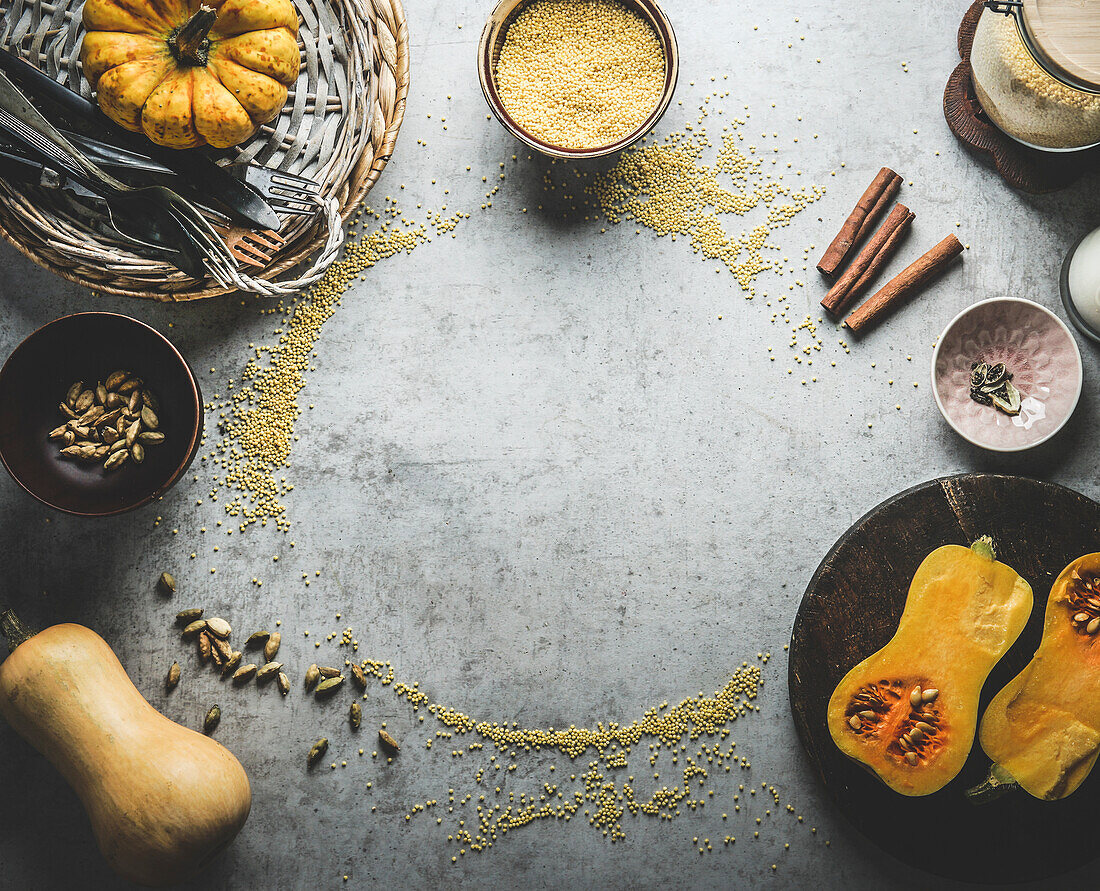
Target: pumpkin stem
x: 189, y: 42
x: 984, y: 547
x: 14, y: 630
x: 993, y: 786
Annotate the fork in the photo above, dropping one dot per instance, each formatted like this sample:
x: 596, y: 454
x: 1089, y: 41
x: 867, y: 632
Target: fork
x: 286, y: 192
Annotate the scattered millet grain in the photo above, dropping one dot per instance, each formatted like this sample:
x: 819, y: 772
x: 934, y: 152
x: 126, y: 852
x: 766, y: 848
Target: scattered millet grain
x: 580, y: 73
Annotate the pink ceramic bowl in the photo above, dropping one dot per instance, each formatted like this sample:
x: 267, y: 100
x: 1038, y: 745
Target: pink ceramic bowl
x: 1040, y: 352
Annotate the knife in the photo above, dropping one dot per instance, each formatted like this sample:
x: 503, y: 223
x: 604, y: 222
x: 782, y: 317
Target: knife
x: 243, y: 201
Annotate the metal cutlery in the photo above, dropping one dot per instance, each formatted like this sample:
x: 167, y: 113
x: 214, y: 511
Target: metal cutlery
x: 239, y: 198
x: 172, y: 221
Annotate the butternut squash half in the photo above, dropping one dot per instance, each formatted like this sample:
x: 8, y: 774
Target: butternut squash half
x: 1042, y: 731
x: 909, y: 711
x: 162, y: 799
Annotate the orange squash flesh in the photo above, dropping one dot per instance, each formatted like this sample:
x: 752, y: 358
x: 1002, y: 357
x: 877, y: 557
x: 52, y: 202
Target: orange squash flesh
x: 1043, y: 728
x: 162, y: 799
x: 909, y: 711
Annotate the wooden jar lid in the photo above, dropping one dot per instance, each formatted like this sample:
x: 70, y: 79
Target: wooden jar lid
x: 1067, y: 34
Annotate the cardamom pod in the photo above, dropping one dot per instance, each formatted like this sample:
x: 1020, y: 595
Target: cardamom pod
x: 166, y: 585
x: 216, y: 655
x: 114, y: 400
x: 137, y: 452
x: 59, y: 432
x: 115, y: 378
x: 222, y: 648
x: 284, y: 683
x: 211, y: 721
x: 272, y: 646
x: 149, y: 418
x: 256, y: 639
x: 388, y: 740
x: 312, y: 675
x: 132, y: 432
x: 69, y: 438
x: 173, y: 676
x: 150, y: 399
x: 219, y: 627
x: 129, y: 385
x: 74, y: 393
x: 244, y: 673
x: 359, y: 676
x: 205, y: 645
x: 268, y: 671
x: 100, y: 393
x: 67, y: 411
x: 317, y: 752
x: 327, y: 672
x: 134, y: 405
x: 194, y: 628
x: 329, y: 686
x: 188, y: 615
x: 115, y: 459
x: 83, y: 401
x: 356, y: 715
x: 232, y: 662
x: 151, y: 438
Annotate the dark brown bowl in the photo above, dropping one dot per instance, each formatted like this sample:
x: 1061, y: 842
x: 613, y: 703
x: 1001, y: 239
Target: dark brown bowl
x: 89, y: 346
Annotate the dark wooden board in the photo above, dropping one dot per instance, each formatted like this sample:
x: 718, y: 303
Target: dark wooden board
x: 851, y: 608
x: 1024, y: 168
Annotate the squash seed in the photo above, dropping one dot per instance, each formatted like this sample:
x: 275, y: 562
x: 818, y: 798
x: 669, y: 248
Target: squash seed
x: 328, y: 672
x: 268, y: 671
x: 173, y: 676
x: 317, y: 752
x: 1081, y: 617
x: 925, y: 728
x: 911, y: 757
x: 388, y: 740
x: 312, y: 675
x: 243, y: 673
x: 219, y: 627
x: 917, y: 735
x: 211, y: 720
x: 256, y: 639
x: 272, y: 646
x: 188, y: 615
x: 194, y: 628
x: 915, y: 696
x: 359, y: 677
x: 284, y: 683
x: 329, y: 685
x: 1093, y: 626
x: 867, y: 714
x: 355, y: 715
x: 929, y: 695
x: 166, y: 584
x: 854, y: 722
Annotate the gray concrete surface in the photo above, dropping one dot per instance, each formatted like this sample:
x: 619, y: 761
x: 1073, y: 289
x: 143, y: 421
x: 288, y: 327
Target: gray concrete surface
x: 552, y: 476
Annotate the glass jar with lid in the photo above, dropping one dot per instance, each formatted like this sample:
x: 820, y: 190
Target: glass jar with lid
x: 1036, y: 71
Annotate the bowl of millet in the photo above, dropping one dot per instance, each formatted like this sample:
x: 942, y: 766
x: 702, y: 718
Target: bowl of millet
x: 578, y: 78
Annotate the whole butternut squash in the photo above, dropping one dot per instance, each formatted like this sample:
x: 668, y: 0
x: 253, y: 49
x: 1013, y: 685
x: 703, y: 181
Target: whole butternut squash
x: 162, y: 799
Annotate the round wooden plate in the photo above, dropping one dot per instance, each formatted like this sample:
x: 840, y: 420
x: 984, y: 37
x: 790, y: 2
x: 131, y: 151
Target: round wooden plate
x: 851, y: 609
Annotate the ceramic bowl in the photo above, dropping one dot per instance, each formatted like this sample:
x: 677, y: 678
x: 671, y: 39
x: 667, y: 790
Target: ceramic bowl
x: 89, y: 346
x: 1040, y: 352
x: 492, y: 39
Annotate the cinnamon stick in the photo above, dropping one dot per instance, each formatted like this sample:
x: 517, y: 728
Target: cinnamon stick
x: 869, y: 208
x: 863, y: 269
x: 905, y: 284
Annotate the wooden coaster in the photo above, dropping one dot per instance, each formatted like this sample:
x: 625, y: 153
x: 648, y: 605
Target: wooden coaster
x: 1027, y: 169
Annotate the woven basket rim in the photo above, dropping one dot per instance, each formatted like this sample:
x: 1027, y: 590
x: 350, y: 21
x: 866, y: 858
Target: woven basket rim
x: 360, y: 186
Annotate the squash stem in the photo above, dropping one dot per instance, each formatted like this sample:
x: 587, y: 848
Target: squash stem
x: 189, y: 43
x: 14, y: 630
x: 984, y: 547
x: 993, y: 786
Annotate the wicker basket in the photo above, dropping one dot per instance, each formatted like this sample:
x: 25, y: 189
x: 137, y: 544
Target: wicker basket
x: 338, y: 128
